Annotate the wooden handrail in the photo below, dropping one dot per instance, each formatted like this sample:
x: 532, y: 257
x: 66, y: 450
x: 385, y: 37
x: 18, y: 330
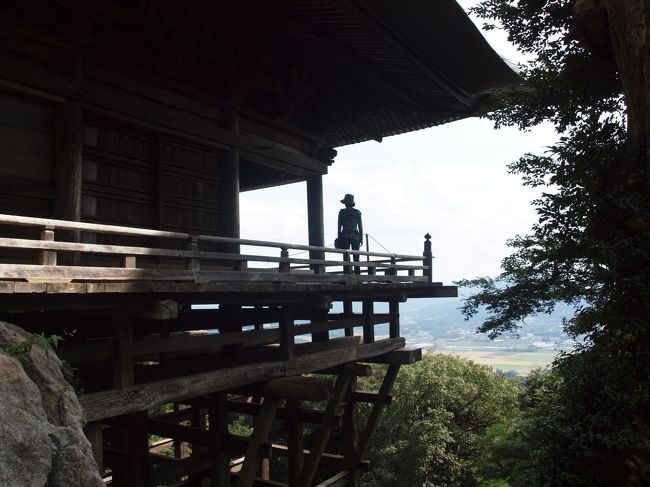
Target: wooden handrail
x: 146, y: 232
x: 190, y: 252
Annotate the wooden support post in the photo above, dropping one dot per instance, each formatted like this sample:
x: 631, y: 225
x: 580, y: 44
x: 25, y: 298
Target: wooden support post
x: 194, y: 263
x: 68, y: 133
x: 391, y: 271
x: 347, y: 312
x: 47, y: 257
x: 261, y: 431
x: 284, y: 266
x: 219, y: 473
x: 350, y: 434
x: 123, y: 363
x: 315, y: 221
x: 295, y: 442
x: 95, y: 436
x: 321, y: 336
x: 123, y: 377
x: 287, y: 344
x: 198, y: 420
x: 373, y: 418
x: 231, y: 188
x: 323, y: 432
x: 138, y: 448
x: 368, y: 325
x: 180, y: 447
x: 347, y: 269
x: 129, y: 261
x: 427, y: 261
x: 393, y: 326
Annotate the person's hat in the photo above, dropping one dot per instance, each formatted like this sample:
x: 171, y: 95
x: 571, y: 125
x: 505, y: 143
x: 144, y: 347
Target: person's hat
x: 348, y: 200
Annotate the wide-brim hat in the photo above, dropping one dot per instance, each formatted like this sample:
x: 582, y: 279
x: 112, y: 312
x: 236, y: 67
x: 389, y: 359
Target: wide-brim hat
x: 348, y: 199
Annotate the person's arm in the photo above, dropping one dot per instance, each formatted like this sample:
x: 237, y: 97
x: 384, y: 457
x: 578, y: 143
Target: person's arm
x: 340, y: 225
x: 360, y: 229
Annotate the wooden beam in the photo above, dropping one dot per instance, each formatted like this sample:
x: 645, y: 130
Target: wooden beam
x: 403, y: 356
x: 296, y: 388
x: 341, y: 479
x: 263, y: 424
x: 371, y: 397
x: 105, y: 404
x: 373, y: 418
x: 323, y: 432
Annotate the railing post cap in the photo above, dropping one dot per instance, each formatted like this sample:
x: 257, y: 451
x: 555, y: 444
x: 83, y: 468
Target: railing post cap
x: 427, y: 236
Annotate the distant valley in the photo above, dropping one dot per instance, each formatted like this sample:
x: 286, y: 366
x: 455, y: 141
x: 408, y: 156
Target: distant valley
x: 438, y: 325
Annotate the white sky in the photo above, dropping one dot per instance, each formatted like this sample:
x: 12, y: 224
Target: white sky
x: 450, y: 181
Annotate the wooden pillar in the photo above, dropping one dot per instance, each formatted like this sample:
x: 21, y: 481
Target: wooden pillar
x: 68, y: 133
x: 393, y: 327
x: 68, y: 158
x: 315, y: 220
x: 287, y: 344
x: 231, y: 188
x: 350, y: 433
x: 347, y: 312
x: 368, y: 325
x: 94, y: 434
x: 320, y: 316
x: 220, y: 472
x: 295, y: 445
x: 427, y: 260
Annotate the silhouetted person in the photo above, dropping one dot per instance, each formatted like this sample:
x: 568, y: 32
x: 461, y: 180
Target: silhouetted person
x: 350, y: 228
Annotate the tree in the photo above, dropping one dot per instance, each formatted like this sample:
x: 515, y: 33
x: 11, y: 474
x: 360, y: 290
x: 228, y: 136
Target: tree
x: 591, y: 246
x: 432, y: 432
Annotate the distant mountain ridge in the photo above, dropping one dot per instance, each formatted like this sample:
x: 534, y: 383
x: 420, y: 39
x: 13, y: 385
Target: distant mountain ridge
x: 439, y: 323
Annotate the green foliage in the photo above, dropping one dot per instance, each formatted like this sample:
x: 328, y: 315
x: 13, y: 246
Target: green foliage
x: 45, y: 342
x: 432, y: 432
x: 589, y: 248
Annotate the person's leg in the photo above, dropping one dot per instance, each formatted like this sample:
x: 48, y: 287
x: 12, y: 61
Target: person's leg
x: 355, y: 246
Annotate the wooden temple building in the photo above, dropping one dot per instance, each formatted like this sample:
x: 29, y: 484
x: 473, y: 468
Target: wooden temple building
x: 128, y: 129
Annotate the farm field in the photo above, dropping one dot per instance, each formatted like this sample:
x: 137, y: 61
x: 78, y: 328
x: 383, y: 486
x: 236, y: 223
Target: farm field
x: 520, y: 362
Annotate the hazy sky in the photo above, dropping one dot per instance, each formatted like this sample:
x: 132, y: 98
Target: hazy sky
x: 450, y: 181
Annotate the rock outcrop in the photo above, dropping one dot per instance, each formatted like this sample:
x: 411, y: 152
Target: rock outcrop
x: 42, y: 443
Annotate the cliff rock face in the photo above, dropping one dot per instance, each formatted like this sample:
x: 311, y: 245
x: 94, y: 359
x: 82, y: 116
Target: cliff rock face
x: 42, y: 443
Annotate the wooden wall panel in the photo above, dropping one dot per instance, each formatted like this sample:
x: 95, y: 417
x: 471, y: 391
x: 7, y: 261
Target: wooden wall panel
x: 191, y: 187
x: 26, y: 156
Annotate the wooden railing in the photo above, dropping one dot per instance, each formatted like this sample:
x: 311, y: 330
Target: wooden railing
x: 186, y: 258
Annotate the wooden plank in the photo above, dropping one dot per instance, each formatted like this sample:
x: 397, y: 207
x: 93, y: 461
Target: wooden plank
x: 263, y: 424
x: 106, y: 404
x: 371, y: 397
x: 80, y: 273
x: 404, y: 356
x: 339, y: 323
